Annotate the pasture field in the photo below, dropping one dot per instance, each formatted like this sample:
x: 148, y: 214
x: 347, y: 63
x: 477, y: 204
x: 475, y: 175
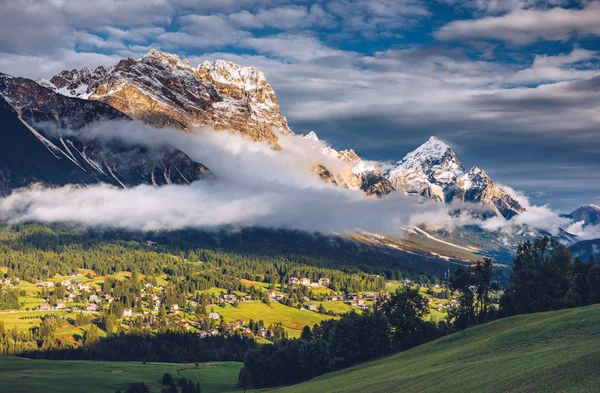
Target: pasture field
x: 23, y: 320
x: 338, y: 307
x: 552, y: 352
x: 61, y: 376
x: 293, y: 320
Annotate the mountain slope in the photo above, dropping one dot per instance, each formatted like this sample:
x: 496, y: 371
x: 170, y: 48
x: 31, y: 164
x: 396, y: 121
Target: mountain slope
x: 548, y: 352
x: 589, y: 214
x: 434, y: 172
x: 164, y: 91
x: 586, y: 248
x: 26, y: 160
x: 45, y: 143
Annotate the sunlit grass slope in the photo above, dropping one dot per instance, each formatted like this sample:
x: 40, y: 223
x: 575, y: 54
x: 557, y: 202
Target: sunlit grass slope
x: 548, y: 352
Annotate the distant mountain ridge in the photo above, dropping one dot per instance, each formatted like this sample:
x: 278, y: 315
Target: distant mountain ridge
x: 589, y: 214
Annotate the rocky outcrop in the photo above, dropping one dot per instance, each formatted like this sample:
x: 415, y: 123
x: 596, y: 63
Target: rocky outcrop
x: 324, y: 173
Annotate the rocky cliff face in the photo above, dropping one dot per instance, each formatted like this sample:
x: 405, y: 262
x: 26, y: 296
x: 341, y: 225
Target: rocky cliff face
x: 434, y: 172
x: 164, y: 91
x: 45, y: 129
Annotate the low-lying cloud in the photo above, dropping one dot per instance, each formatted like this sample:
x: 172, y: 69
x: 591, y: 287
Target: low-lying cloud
x: 253, y: 185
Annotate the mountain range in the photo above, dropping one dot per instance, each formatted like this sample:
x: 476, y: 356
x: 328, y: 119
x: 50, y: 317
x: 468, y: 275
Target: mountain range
x: 40, y: 141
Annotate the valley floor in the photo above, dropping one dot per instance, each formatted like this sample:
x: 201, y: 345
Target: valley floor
x: 57, y: 376
x: 548, y: 352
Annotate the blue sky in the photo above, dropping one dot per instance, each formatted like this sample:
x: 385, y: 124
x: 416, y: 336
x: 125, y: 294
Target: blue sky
x: 512, y: 85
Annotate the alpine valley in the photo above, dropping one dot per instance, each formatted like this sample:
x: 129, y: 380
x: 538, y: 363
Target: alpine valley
x: 44, y: 122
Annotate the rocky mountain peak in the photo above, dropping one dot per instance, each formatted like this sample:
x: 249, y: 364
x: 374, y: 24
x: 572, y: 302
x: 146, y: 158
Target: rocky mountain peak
x: 589, y: 214
x: 358, y: 174
x: 163, y: 90
x: 311, y: 136
x: 247, y: 84
x: 77, y: 83
x: 248, y: 78
x: 432, y: 155
x: 426, y: 170
x: 434, y: 172
x: 171, y: 59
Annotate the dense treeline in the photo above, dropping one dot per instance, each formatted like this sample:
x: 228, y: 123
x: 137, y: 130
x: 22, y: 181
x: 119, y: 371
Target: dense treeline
x: 34, y: 252
x: 171, y: 347
x: 395, y: 323
x: 9, y: 299
x: 546, y: 277
x: 303, y: 251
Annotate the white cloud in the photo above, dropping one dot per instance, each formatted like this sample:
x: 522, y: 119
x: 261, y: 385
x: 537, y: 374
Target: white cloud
x: 562, y: 67
x: 134, y: 35
x: 284, y: 18
x: 373, y: 18
x: 202, y: 31
x: 47, y: 65
x: 524, y: 26
x: 255, y: 186
x: 501, y: 6
x: 294, y: 47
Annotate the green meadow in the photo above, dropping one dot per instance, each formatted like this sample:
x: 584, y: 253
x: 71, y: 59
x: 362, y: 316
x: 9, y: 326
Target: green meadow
x: 292, y: 319
x: 61, y: 376
x: 548, y: 352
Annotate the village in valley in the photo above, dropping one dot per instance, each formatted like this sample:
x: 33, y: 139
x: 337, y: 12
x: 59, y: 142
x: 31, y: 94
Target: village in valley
x: 130, y: 301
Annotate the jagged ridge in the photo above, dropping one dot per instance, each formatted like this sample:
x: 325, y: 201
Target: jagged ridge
x: 162, y: 90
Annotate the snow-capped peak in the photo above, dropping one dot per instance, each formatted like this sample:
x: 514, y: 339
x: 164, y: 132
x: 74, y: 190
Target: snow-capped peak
x: 359, y: 166
x: 474, y: 178
x: 173, y: 60
x: 589, y: 214
x: 431, y: 153
x: 434, y: 159
x: 226, y: 72
x: 433, y: 171
x: 311, y: 136
x: 46, y: 83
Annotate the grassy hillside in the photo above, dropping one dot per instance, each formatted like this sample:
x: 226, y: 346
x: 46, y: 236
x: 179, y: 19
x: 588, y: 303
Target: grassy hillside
x: 547, y: 352
x: 54, y: 376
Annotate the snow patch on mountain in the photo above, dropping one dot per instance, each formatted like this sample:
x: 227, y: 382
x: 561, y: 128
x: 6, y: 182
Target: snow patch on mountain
x: 358, y: 165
